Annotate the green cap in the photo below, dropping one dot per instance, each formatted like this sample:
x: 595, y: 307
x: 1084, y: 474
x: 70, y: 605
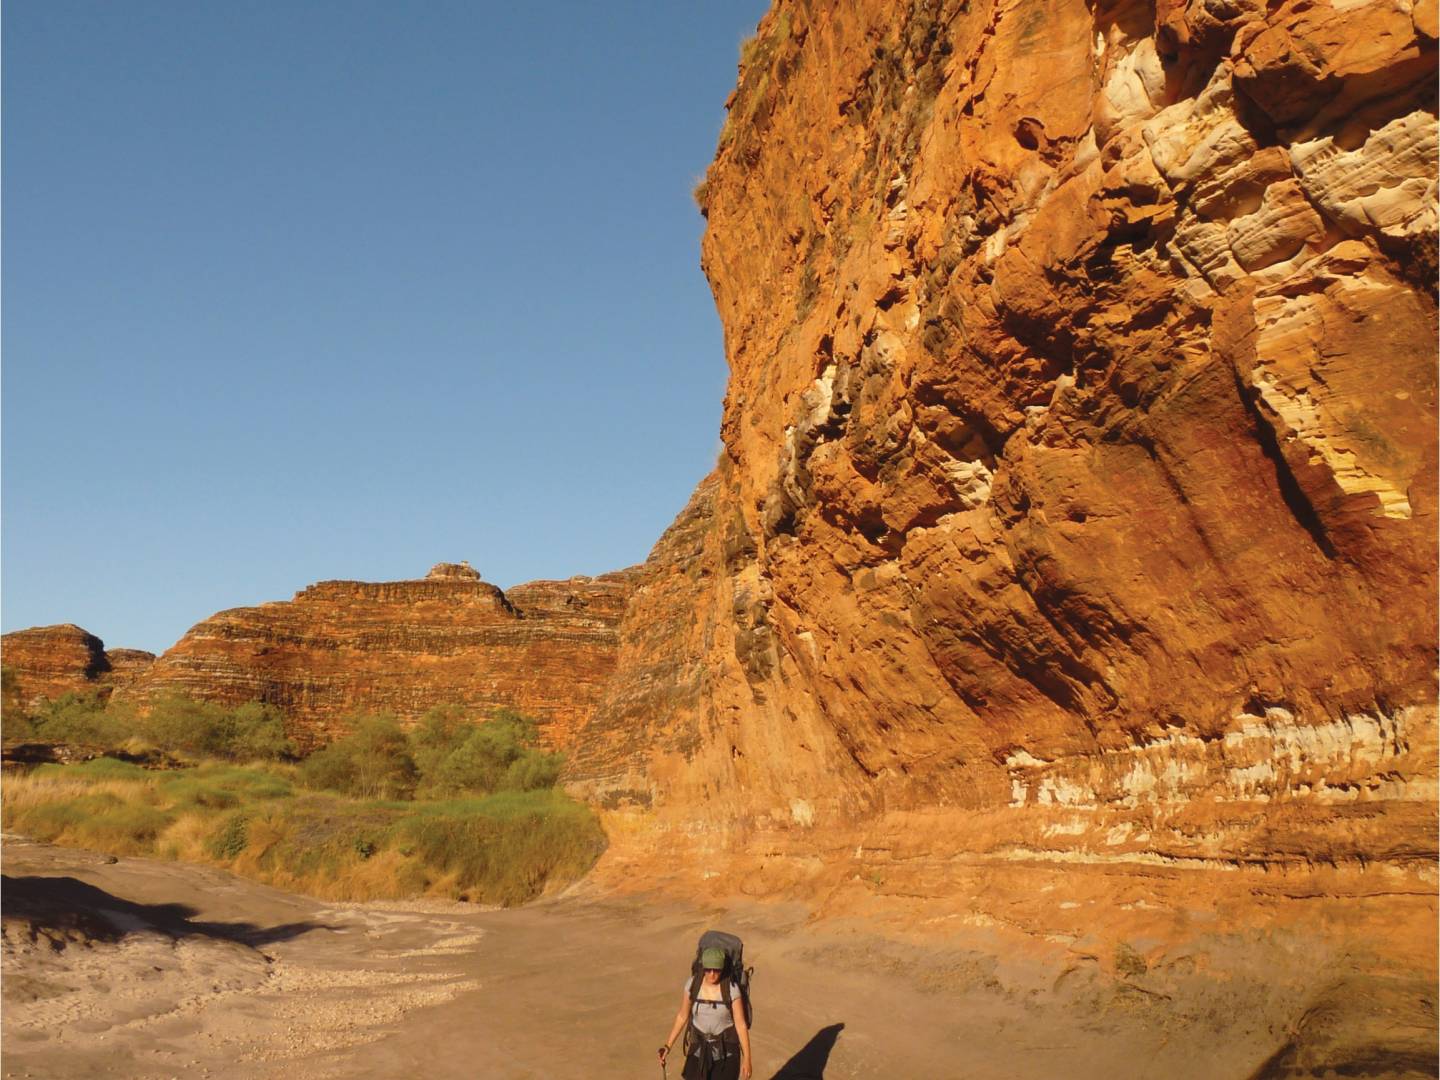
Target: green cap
x: 713, y: 958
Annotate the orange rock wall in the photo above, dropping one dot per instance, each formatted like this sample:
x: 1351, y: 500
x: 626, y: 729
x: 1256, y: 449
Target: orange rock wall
x: 345, y: 647
x: 46, y: 662
x: 1078, y: 499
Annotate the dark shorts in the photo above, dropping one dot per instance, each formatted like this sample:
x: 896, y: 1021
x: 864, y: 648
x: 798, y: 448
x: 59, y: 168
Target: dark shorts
x: 728, y: 1069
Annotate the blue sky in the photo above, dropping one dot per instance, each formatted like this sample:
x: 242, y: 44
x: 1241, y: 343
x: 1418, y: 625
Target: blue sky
x: 311, y: 290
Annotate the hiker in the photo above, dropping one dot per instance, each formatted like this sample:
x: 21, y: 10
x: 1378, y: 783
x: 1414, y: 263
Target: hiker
x: 719, y: 1037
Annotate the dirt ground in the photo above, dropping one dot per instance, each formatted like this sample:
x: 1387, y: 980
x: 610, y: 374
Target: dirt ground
x: 143, y: 969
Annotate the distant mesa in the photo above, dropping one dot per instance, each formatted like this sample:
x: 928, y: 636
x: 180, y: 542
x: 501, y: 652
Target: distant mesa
x: 343, y: 648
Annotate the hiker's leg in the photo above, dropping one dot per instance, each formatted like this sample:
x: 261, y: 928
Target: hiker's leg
x: 727, y: 1069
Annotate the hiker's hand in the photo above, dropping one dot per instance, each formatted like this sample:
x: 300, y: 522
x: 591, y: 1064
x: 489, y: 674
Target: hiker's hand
x: 745, y: 1069
x: 664, y: 1053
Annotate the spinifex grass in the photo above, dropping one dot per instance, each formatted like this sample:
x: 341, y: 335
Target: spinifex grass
x: 500, y: 849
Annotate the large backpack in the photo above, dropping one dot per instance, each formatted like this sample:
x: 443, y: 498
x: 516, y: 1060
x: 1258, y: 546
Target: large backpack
x: 734, y: 971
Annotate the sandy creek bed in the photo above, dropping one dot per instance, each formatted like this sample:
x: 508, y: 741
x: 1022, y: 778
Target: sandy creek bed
x: 137, y: 968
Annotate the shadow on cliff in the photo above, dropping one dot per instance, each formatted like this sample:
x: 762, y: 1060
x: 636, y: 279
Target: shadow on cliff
x: 809, y: 1063
x: 66, y: 909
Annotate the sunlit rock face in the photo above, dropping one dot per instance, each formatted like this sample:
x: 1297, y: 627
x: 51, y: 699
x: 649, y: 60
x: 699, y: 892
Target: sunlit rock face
x: 341, y: 648
x: 47, y: 662
x: 1077, y: 505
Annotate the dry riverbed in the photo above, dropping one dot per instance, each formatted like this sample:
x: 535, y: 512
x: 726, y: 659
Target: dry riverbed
x: 143, y: 969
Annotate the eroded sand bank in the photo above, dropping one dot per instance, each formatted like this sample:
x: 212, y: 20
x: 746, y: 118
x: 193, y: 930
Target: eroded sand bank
x: 136, y: 968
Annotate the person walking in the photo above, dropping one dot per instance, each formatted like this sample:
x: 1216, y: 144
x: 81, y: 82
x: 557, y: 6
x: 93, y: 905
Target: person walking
x: 719, y: 1037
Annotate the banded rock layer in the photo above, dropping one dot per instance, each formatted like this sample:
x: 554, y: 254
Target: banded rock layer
x: 46, y: 662
x: 345, y: 647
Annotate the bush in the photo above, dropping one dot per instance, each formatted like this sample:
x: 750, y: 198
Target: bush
x: 181, y: 724
x: 252, y: 730
x: 15, y: 726
x: 476, y: 765
x: 372, y: 762
x: 83, y: 718
x: 533, y: 771
x: 496, y: 755
x: 436, y: 736
x: 256, y: 730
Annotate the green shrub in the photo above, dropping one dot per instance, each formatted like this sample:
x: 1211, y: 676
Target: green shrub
x: 372, y: 762
x: 15, y: 726
x: 256, y: 730
x: 183, y: 725
x: 436, y: 736
x: 83, y: 718
x: 476, y: 765
x: 249, y: 731
x: 496, y: 755
x: 532, y: 771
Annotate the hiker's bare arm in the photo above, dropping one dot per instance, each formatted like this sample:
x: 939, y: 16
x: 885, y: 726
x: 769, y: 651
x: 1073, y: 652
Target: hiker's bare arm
x: 680, y: 1018
x: 742, y: 1029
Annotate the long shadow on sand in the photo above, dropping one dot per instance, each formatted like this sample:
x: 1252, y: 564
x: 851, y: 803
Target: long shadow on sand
x: 809, y: 1063
x: 73, y: 907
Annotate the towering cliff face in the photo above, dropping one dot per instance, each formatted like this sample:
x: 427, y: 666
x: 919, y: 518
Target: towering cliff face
x: 50, y: 661
x: 1077, y: 511
x: 342, y: 647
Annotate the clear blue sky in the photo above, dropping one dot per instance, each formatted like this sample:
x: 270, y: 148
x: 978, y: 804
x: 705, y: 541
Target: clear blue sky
x: 341, y: 289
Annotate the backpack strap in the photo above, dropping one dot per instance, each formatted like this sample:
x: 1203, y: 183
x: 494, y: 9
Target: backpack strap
x: 692, y: 1034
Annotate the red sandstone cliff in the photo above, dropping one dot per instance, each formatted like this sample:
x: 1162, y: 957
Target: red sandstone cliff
x: 1076, y: 520
x: 343, y: 647
x: 49, y: 661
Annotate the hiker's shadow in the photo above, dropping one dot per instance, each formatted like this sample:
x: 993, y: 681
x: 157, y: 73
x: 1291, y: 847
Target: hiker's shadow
x: 809, y: 1063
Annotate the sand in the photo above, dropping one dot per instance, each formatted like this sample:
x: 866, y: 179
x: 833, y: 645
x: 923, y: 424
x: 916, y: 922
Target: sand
x: 145, y: 969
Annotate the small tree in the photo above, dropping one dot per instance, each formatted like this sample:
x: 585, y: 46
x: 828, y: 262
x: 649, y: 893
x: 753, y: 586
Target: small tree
x: 438, y: 734
x: 80, y: 718
x: 183, y: 725
x: 371, y: 762
x: 478, y: 764
x: 256, y: 730
x: 497, y: 755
